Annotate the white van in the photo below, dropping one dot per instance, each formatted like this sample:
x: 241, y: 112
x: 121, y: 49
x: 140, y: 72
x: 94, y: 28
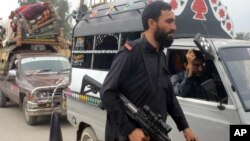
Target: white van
x: 97, y: 37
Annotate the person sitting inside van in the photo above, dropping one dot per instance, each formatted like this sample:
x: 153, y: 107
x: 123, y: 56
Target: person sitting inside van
x: 187, y: 83
x: 104, y: 60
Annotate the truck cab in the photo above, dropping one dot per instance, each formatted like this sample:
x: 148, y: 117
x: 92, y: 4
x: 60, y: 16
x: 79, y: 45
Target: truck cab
x: 226, y: 60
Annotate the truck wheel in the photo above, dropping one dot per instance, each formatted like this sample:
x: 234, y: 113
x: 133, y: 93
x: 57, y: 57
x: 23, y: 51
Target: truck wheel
x: 3, y: 100
x: 88, y: 134
x: 31, y: 120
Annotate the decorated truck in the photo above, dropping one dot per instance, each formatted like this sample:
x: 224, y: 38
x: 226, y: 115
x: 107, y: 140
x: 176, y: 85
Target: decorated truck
x: 34, y: 67
x: 103, y: 30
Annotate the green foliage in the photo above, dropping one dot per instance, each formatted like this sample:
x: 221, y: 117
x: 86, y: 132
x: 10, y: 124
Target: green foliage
x: 28, y: 1
x: 243, y: 36
x: 247, y: 36
x: 62, y: 8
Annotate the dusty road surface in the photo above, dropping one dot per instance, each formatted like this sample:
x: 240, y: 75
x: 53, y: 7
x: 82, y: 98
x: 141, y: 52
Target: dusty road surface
x: 14, y: 128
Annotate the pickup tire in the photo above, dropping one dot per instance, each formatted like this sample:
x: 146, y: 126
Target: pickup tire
x: 3, y: 100
x: 31, y: 120
x: 88, y: 134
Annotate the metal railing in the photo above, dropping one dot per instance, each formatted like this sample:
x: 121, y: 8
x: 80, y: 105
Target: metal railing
x: 55, y: 89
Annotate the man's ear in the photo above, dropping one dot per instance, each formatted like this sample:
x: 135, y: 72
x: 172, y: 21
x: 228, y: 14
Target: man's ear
x: 151, y: 24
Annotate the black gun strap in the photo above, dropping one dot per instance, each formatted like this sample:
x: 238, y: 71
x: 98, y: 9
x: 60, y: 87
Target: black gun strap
x: 143, y: 58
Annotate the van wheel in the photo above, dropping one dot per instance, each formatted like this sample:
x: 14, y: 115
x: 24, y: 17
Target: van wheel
x: 3, y: 100
x: 31, y: 120
x: 88, y: 134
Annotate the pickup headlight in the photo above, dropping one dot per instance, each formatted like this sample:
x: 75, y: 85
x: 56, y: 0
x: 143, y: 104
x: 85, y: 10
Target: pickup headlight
x: 42, y: 95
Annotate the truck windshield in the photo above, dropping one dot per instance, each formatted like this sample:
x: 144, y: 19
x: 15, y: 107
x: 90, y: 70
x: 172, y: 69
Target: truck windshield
x: 237, y: 62
x: 34, y: 65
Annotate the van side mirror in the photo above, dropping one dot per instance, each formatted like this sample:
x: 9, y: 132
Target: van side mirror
x: 210, y: 88
x: 205, y: 47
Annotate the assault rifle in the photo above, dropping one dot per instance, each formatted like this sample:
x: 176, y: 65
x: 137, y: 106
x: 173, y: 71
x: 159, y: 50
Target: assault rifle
x: 151, y: 124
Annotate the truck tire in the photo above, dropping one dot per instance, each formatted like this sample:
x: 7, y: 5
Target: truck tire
x: 31, y: 120
x: 3, y: 100
x: 88, y: 134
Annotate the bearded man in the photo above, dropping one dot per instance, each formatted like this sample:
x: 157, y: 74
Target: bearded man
x: 140, y: 73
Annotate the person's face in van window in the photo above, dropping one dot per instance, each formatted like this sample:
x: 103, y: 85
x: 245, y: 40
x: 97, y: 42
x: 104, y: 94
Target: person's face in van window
x: 197, y: 67
x: 165, y: 28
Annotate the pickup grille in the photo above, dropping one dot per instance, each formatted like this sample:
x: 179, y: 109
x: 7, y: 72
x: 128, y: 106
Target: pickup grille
x: 47, y: 100
x: 58, y: 92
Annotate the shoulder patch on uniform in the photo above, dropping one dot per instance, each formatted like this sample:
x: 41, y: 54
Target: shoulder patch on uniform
x: 128, y: 46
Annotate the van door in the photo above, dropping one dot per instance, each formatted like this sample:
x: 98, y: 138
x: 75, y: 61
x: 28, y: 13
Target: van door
x: 206, y: 120
x: 209, y: 122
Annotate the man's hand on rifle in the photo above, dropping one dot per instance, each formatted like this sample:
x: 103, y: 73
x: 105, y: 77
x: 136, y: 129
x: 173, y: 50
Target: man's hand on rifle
x: 138, y: 135
x: 189, y: 135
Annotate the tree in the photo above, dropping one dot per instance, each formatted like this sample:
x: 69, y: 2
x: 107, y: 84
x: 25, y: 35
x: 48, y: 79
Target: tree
x: 240, y: 36
x: 62, y: 8
x: 247, y: 36
x: 243, y: 36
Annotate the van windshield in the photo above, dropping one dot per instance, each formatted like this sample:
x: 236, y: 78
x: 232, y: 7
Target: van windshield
x: 35, y: 65
x: 237, y: 61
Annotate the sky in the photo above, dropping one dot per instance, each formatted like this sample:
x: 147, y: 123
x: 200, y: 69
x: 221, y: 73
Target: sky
x: 238, y: 10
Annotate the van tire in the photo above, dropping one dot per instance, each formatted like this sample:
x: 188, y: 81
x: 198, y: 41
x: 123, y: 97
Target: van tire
x: 31, y: 120
x: 3, y: 100
x: 88, y: 134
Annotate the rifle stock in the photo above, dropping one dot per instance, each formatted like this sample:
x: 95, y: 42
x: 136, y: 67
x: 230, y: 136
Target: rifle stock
x: 151, y: 124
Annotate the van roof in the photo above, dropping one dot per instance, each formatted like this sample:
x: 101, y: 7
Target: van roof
x: 125, y: 16
x: 217, y: 42
x: 111, y: 21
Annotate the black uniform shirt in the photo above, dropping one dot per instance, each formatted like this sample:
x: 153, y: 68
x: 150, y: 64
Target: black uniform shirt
x: 129, y: 76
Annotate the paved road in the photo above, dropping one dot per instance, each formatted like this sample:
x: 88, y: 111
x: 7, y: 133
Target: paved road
x: 14, y: 128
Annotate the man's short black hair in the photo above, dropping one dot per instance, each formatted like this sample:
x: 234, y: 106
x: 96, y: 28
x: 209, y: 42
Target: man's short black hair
x: 153, y: 11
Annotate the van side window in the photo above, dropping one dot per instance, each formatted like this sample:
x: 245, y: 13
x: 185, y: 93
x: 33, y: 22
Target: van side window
x: 105, y: 49
x: 81, y: 52
x: 210, y: 74
x: 98, y: 52
x: 129, y: 36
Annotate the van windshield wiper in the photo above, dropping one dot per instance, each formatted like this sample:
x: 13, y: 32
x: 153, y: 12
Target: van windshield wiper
x: 39, y: 71
x: 63, y: 70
